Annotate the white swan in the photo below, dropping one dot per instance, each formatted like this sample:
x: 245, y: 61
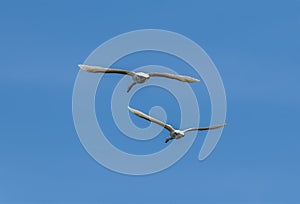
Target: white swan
x: 138, y: 77
x: 174, y: 134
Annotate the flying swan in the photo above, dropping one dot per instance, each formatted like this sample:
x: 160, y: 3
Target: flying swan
x: 174, y: 134
x: 138, y: 77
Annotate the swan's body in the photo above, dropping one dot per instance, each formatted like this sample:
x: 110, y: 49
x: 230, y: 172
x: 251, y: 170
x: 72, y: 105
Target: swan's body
x: 174, y: 134
x: 138, y: 77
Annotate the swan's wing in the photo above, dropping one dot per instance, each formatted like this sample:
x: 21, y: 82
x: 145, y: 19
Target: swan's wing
x: 147, y: 117
x: 97, y: 69
x: 205, y: 128
x: 173, y: 76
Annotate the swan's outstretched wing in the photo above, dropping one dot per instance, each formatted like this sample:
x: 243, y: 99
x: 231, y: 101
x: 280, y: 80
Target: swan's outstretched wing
x: 97, y: 69
x: 147, y: 117
x: 173, y: 76
x: 205, y: 128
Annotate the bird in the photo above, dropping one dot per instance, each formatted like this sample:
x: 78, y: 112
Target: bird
x: 138, y: 77
x: 174, y: 134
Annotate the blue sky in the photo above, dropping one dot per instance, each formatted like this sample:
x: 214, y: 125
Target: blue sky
x: 255, y: 46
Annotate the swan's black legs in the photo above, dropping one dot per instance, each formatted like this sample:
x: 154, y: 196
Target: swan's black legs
x: 168, y: 139
x: 131, y: 85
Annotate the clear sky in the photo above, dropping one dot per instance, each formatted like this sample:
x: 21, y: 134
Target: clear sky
x: 255, y: 46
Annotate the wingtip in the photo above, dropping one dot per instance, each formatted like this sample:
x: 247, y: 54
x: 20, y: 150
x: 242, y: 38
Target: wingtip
x: 192, y: 79
x: 83, y: 67
x: 195, y: 79
x: 129, y: 108
x: 132, y: 110
x: 222, y: 125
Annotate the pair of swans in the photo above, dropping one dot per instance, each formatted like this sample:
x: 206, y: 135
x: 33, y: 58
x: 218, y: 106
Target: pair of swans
x: 141, y: 77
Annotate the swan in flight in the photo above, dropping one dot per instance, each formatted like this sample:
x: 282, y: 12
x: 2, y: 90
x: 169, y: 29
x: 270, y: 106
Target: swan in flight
x: 138, y: 77
x: 174, y: 134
